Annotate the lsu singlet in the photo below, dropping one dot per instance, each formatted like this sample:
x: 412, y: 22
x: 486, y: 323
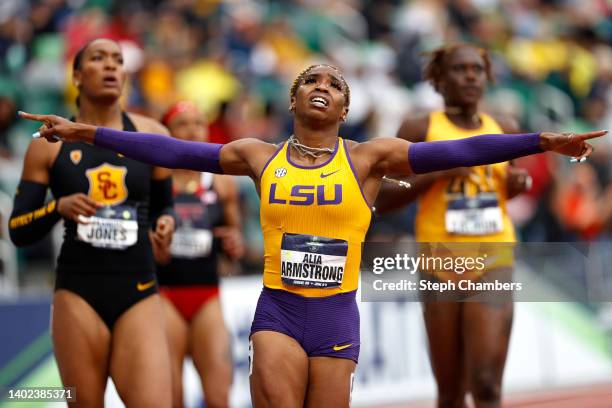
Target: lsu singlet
x: 194, y: 249
x: 116, y: 239
x: 465, y: 209
x: 314, y: 220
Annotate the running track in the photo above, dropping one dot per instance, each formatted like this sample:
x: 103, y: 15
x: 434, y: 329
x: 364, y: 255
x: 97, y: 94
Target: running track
x: 596, y: 396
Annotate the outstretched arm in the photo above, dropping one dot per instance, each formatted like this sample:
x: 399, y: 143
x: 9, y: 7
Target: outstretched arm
x: 161, y: 150
x: 396, y: 156
x: 241, y: 157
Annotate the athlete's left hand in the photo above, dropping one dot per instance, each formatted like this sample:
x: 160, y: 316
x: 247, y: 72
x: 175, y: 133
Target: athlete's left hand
x: 570, y: 144
x: 231, y: 241
x: 161, y: 239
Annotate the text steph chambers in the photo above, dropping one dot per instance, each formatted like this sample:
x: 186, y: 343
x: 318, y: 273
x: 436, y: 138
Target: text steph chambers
x: 427, y: 285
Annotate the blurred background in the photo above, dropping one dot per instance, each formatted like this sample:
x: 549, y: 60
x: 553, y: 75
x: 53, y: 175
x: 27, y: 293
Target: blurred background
x: 552, y: 60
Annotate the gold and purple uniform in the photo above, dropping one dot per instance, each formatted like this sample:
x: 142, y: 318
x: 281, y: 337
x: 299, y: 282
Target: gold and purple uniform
x: 314, y: 220
x: 467, y: 209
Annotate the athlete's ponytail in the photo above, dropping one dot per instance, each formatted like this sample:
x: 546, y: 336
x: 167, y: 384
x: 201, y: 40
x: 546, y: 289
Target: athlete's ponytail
x: 76, y: 66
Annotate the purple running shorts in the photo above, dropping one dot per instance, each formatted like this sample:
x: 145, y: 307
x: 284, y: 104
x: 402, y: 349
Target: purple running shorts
x: 323, y: 326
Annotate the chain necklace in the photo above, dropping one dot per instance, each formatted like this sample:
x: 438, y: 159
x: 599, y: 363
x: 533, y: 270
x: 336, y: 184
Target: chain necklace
x: 304, y: 150
x: 456, y: 110
x: 316, y: 152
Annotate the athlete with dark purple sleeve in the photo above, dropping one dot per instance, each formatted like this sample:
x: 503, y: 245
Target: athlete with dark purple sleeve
x: 305, y: 335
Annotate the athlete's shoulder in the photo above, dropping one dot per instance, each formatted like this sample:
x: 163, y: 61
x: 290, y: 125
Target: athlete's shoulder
x: 146, y: 124
x: 246, y: 156
x: 506, y: 123
x: 38, y: 160
x: 414, y: 127
x: 253, y: 146
x: 41, y: 151
x: 369, y: 146
x: 252, y: 141
x: 255, y: 149
x: 356, y: 151
x: 376, y: 154
x: 350, y: 144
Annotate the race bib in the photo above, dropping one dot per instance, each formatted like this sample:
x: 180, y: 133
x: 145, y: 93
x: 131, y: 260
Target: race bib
x: 478, y: 215
x: 191, y: 243
x: 114, y: 227
x: 311, y: 261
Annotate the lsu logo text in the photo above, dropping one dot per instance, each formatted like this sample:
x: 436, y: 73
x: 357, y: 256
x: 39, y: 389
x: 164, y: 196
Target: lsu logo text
x: 307, y: 195
x: 107, y: 184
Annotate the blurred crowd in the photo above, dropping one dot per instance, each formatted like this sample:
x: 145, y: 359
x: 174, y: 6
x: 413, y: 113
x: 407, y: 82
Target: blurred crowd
x: 236, y: 59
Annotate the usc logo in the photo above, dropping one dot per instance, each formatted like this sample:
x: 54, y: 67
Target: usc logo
x: 107, y: 184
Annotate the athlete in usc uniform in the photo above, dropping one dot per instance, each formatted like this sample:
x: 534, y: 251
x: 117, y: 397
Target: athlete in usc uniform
x: 208, y: 214
x: 106, y: 311
x: 315, y: 191
x: 468, y: 340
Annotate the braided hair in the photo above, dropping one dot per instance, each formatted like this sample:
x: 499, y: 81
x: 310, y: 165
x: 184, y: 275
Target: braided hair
x: 298, y: 81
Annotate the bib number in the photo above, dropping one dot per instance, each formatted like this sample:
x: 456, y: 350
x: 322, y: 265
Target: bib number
x: 313, y: 262
x: 111, y: 228
x: 191, y: 243
x: 474, y: 216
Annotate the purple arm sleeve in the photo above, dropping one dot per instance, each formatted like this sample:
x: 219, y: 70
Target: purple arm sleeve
x: 425, y: 157
x: 161, y: 150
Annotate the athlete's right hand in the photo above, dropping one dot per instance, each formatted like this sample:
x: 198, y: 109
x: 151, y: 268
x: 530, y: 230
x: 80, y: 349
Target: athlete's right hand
x: 162, y: 238
x: 161, y: 250
x: 56, y: 128
x: 77, y: 206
